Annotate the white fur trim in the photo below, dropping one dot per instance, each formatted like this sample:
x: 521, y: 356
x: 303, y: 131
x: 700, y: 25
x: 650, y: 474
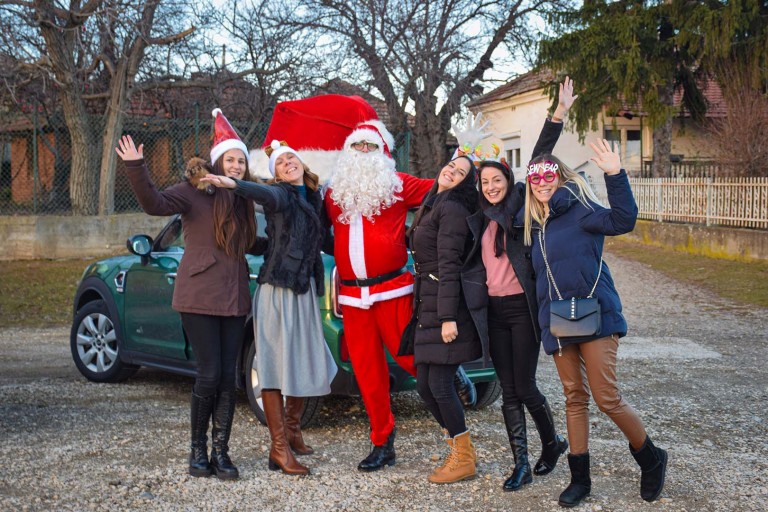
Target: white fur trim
x: 224, y: 146
x: 387, y: 136
x: 357, y: 247
x: 319, y: 162
x: 215, y: 112
x: 371, y: 299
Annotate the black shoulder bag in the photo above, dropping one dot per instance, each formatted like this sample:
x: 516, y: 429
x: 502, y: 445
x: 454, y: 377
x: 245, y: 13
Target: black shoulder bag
x: 577, y: 317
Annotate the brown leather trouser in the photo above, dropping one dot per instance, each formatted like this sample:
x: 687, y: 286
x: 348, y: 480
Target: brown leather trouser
x: 592, y: 365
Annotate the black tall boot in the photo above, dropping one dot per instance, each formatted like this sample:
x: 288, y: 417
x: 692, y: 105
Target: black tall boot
x: 581, y: 483
x: 653, y: 463
x: 380, y: 456
x: 200, y: 415
x: 552, y: 444
x: 514, y: 419
x: 464, y: 388
x: 223, y: 414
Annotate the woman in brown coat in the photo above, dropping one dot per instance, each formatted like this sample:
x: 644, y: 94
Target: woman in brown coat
x: 211, y: 289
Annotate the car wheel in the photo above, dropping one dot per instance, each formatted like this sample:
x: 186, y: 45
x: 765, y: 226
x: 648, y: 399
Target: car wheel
x: 95, y: 345
x: 311, y: 404
x: 487, y: 393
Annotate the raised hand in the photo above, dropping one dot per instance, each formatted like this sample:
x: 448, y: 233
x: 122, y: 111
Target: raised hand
x: 606, y: 158
x: 127, y: 151
x: 565, y: 99
x: 218, y: 181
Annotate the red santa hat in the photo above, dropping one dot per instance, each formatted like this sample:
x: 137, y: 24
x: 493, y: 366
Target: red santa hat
x: 316, y: 128
x: 224, y: 137
x: 372, y: 130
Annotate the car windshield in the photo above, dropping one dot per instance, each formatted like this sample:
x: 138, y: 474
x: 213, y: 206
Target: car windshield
x: 172, y: 238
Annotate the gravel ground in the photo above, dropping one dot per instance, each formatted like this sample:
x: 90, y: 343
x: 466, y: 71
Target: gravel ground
x: 693, y: 366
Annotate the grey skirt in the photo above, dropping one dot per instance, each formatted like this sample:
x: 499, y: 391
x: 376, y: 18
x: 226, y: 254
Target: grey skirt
x: 291, y: 353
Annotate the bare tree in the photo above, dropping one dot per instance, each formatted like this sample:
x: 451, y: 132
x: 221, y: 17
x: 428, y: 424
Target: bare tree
x: 425, y: 56
x: 90, y: 51
x: 739, y: 136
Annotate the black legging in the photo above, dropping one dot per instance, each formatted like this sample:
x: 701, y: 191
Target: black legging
x: 216, y: 342
x: 514, y: 350
x: 434, y: 382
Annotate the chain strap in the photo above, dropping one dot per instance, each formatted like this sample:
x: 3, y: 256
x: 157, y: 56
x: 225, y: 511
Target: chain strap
x: 552, y: 278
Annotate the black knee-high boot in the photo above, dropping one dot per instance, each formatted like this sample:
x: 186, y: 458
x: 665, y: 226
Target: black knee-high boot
x: 514, y: 419
x: 552, y: 444
x: 223, y: 414
x: 201, y: 408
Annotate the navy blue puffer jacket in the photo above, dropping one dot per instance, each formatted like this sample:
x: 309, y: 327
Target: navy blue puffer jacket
x: 573, y: 237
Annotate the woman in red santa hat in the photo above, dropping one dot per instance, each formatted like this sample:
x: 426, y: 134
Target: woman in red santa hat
x: 211, y: 289
x: 294, y: 360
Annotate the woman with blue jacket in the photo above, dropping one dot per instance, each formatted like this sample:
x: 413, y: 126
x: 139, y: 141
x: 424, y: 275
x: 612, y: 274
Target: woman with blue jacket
x: 565, y: 225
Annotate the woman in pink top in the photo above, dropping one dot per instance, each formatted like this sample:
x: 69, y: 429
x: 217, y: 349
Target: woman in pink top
x: 513, y: 328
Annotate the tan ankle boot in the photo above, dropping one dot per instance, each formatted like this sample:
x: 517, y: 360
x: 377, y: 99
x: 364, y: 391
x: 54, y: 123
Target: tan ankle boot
x: 460, y: 463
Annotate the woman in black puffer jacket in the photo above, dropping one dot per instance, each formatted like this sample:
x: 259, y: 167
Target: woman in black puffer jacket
x: 450, y: 307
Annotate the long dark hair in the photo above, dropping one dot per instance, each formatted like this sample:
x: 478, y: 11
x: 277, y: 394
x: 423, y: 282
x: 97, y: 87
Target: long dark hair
x: 234, y: 221
x: 467, y: 198
x: 498, y: 242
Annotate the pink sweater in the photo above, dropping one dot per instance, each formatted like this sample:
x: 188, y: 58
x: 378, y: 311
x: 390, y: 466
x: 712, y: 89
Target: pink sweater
x: 500, y: 276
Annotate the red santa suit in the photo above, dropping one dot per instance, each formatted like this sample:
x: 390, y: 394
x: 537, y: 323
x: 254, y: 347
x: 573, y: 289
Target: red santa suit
x: 375, y: 316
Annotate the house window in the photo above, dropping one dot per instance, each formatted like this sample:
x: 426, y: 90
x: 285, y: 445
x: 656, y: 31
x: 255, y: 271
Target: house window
x: 628, y: 142
x: 513, y: 158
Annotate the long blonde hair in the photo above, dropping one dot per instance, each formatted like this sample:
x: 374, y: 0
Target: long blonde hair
x: 534, y: 209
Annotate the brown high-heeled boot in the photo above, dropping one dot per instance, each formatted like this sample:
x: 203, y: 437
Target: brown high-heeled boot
x: 294, y: 406
x: 280, y: 455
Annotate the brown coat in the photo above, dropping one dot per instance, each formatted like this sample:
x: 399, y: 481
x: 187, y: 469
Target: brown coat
x: 208, y: 281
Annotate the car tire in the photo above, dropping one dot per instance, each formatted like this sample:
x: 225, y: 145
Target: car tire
x: 96, y: 345
x: 487, y: 393
x: 311, y: 404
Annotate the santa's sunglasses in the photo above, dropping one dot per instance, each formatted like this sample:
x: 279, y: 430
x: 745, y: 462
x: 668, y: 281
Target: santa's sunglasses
x: 360, y: 146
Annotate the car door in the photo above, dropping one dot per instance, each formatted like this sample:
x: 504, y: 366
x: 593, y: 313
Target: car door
x: 151, y: 325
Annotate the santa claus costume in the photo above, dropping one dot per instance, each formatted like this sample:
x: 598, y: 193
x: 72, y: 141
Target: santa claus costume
x: 367, y: 202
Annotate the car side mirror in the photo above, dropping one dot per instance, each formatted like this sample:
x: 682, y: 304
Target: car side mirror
x: 140, y: 245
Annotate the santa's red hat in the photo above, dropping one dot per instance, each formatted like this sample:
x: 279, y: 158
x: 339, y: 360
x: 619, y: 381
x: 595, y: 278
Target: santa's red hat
x: 317, y: 129
x: 224, y: 137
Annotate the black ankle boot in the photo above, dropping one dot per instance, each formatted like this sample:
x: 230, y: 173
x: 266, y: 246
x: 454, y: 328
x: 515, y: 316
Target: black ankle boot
x: 380, y: 456
x: 223, y: 414
x: 514, y: 420
x: 200, y: 415
x: 552, y: 444
x: 464, y: 388
x: 653, y: 463
x: 581, y: 483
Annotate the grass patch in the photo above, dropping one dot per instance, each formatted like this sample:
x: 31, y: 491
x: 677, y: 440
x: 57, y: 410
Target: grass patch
x: 38, y: 292
x: 740, y: 281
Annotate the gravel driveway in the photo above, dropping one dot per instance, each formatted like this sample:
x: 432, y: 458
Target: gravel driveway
x: 693, y: 366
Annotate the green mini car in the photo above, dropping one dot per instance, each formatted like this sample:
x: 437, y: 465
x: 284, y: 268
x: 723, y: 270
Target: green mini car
x: 122, y: 320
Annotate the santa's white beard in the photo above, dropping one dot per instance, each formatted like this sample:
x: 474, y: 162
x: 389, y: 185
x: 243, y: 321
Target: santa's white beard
x: 364, y: 183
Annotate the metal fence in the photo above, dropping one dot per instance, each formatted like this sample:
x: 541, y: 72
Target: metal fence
x: 35, y: 158
x: 737, y: 202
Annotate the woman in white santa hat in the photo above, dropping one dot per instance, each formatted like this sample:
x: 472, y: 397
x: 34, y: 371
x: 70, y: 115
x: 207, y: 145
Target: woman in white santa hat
x: 294, y: 360
x: 211, y: 289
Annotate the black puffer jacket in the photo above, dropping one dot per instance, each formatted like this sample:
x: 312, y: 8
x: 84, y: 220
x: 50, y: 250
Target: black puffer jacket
x: 446, y: 289
x: 295, y: 233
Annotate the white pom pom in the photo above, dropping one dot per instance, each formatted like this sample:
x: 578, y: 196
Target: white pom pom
x: 215, y: 112
x: 274, y: 144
